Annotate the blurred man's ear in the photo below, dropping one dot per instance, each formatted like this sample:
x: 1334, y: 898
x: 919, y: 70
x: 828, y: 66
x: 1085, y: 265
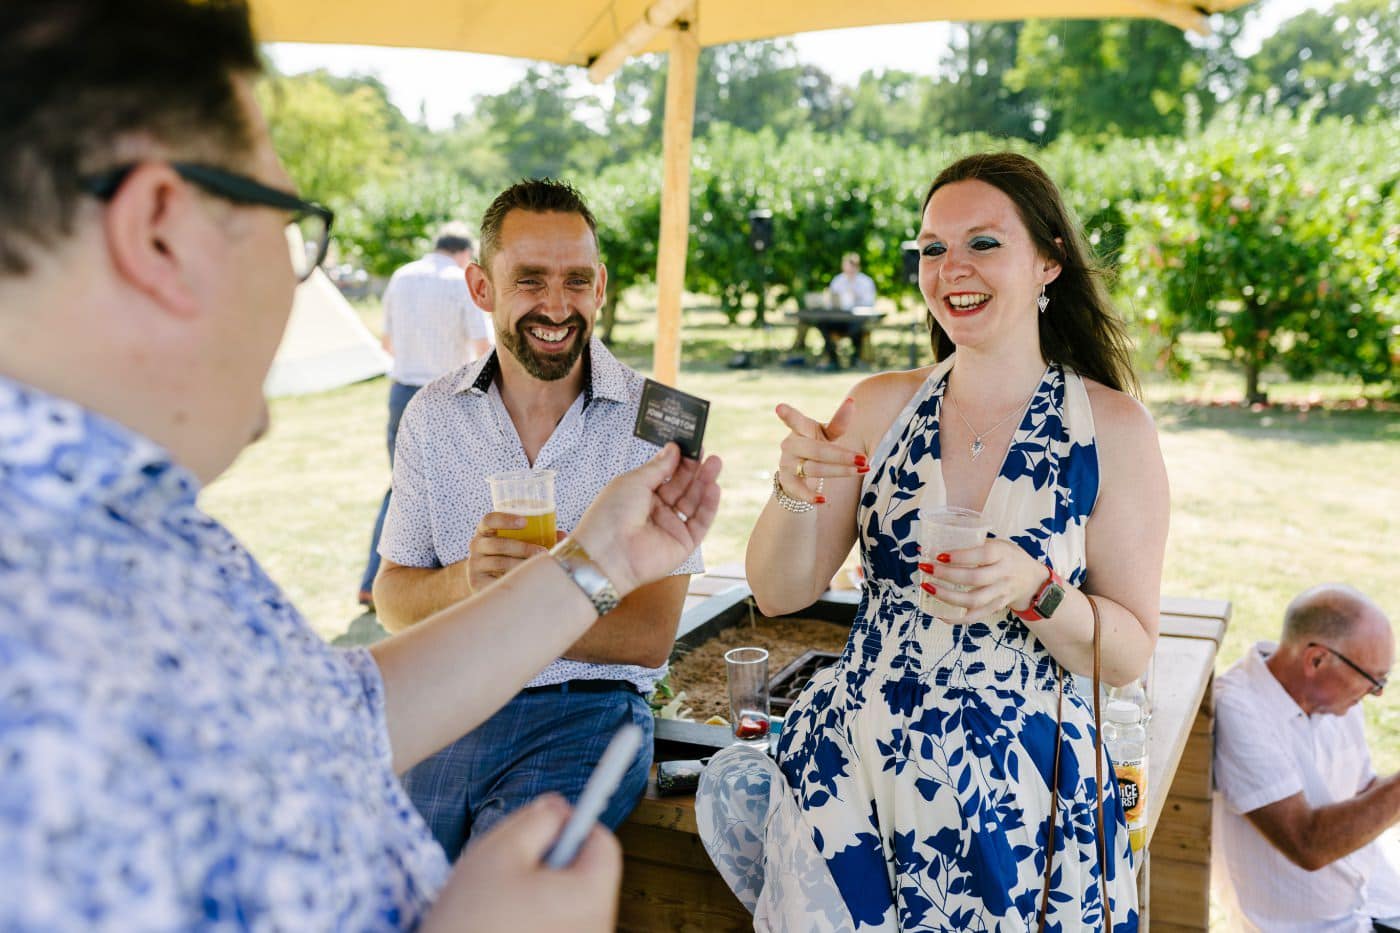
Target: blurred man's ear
x: 150, y: 227
x: 479, y: 284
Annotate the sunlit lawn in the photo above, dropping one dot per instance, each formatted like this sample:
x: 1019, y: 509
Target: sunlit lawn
x: 1263, y: 502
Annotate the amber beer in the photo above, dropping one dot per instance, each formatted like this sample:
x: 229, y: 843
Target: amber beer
x: 529, y: 494
x: 539, y: 522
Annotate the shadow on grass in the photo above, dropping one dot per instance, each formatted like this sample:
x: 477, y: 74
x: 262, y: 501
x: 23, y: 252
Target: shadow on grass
x: 1310, y: 424
x: 364, y: 629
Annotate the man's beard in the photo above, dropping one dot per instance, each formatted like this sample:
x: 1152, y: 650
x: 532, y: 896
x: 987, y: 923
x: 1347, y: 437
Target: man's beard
x: 546, y: 366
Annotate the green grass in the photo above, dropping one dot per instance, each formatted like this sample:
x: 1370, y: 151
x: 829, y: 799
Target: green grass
x: 1263, y: 502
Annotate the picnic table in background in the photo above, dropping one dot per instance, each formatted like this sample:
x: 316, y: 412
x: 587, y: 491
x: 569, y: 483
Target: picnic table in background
x: 834, y: 323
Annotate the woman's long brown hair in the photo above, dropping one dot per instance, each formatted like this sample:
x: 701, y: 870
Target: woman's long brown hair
x: 1080, y: 329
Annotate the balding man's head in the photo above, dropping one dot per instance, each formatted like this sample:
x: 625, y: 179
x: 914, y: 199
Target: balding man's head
x: 1333, y: 613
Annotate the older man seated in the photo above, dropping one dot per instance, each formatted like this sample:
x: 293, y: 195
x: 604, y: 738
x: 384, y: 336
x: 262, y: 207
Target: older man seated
x: 1299, y: 812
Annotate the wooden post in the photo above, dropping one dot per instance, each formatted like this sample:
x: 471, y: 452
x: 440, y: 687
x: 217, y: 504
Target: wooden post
x: 684, y: 61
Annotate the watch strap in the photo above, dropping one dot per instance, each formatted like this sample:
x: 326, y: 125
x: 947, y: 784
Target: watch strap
x: 586, y: 574
x: 1046, y: 599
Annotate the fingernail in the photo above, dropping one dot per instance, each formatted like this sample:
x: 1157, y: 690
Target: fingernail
x: 926, y: 568
x: 943, y: 558
x: 820, y: 500
x: 862, y: 470
x: 860, y: 460
x: 928, y: 588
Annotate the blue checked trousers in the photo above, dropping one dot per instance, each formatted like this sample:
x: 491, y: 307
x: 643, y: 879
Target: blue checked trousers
x: 538, y: 742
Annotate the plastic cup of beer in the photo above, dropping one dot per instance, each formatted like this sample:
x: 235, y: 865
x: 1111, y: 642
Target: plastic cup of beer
x: 943, y: 529
x: 747, y: 670
x: 529, y: 494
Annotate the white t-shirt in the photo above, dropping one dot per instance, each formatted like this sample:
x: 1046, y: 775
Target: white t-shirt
x: 856, y: 291
x: 1267, y: 749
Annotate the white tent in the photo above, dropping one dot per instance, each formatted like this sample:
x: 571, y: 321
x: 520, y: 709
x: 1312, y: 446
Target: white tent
x: 325, y: 346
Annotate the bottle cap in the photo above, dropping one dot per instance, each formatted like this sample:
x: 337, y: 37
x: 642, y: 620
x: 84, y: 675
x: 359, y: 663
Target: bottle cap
x: 1123, y: 711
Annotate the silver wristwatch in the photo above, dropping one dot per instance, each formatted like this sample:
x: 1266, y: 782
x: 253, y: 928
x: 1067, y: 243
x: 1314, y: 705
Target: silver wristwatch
x: 786, y: 501
x: 587, y: 574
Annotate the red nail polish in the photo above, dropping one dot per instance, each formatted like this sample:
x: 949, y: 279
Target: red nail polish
x: 862, y: 470
x: 820, y: 500
x: 860, y: 460
x: 928, y: 588
x: 944, y: 558
x: 926, y: 568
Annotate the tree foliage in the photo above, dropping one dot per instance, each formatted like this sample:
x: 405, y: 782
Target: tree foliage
x: 1245, y: 239
x: 333, y: 135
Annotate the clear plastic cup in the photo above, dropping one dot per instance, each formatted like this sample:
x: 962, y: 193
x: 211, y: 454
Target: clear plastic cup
x: 747, y: 670
x: 943, y: 529
x: 529, y: 494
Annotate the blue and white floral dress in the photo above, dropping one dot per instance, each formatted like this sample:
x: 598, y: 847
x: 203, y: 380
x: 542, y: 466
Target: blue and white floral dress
x: 918, y: 766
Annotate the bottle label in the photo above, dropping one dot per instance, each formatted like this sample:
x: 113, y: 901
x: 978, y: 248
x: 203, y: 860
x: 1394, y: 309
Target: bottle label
x: 1132, y: 790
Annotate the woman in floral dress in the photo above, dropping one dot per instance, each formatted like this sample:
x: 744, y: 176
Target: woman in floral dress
x: 915, y: 773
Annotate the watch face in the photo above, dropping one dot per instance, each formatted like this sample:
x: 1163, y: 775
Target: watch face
x: 1050, y: 600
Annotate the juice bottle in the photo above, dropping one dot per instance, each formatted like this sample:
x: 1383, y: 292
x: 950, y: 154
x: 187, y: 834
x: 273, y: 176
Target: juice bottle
x: 1126, y: 739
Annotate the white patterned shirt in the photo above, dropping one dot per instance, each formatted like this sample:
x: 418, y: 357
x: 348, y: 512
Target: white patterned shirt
x: 429, y: 318
x: 178, y: 749
x: 456, y: 432
x: 1268, y: 749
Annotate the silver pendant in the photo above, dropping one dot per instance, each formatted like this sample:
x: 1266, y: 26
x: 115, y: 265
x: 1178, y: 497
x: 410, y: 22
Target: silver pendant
x: 976, y: 447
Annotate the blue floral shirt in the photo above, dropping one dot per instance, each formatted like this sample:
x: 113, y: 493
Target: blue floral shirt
x: 178, y: 749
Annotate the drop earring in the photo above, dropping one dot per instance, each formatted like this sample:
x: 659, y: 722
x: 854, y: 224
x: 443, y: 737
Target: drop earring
x: 1043, y: 301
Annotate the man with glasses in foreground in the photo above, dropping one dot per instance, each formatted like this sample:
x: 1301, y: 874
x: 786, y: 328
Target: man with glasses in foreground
x: 178, y: 749
x: 1300, y: 816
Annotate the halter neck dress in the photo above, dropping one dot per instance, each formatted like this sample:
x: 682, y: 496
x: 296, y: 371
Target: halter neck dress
x: 912, y: 786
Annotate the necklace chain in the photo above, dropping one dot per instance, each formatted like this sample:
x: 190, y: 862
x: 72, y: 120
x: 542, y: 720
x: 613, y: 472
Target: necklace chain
x: 976, y: 447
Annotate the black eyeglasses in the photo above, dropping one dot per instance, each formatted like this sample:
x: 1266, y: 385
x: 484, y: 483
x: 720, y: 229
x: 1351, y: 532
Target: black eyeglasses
x: 308, y: 232
x: 1377, y: 684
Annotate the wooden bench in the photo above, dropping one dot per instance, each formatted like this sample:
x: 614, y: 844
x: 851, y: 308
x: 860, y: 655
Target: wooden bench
x: 668, y: 882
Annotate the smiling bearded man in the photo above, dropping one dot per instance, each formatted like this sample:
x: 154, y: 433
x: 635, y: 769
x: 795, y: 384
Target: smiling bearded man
x: 550, y: 397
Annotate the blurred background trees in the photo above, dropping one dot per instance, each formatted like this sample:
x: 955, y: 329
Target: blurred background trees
x: 1253, y: 197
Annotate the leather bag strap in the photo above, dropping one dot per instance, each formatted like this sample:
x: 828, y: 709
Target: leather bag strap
x: 1098, y: 769
x: 1098, y: 782
x: 1054, y: 797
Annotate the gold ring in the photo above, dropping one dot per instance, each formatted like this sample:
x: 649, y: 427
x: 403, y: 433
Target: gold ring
x: 801, y: 469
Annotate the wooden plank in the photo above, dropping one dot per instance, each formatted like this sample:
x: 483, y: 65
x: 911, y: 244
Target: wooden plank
x: 1203, y: 608
x: 709, y: 585
x: 1184, y: 832
x: 677, y: 130
x: 658, y: 897
x: 1185, y: 626
x: 1183, y: 668
x: 1193, y: 775
x: 1180, y: 894
x: 682, y: 850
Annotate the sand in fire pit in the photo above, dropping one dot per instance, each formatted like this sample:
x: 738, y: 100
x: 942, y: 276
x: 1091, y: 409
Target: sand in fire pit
x: 700, y: 673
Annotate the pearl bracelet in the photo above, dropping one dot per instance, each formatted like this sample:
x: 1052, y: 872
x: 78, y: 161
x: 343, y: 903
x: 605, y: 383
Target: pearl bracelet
x: 788, y: 502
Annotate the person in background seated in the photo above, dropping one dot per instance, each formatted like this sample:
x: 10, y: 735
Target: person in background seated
x: 850, y: 289
x: 179, y: 750
x: 431, y: 326
x: 1299, y: 812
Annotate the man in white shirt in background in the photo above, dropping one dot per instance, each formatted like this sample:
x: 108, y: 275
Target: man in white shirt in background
x: 431, y: 326
x: 851, y: 288
x: 1300, y: 815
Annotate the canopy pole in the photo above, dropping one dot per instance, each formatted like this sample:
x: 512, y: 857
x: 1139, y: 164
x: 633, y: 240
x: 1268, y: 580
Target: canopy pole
x: 681, y: 70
